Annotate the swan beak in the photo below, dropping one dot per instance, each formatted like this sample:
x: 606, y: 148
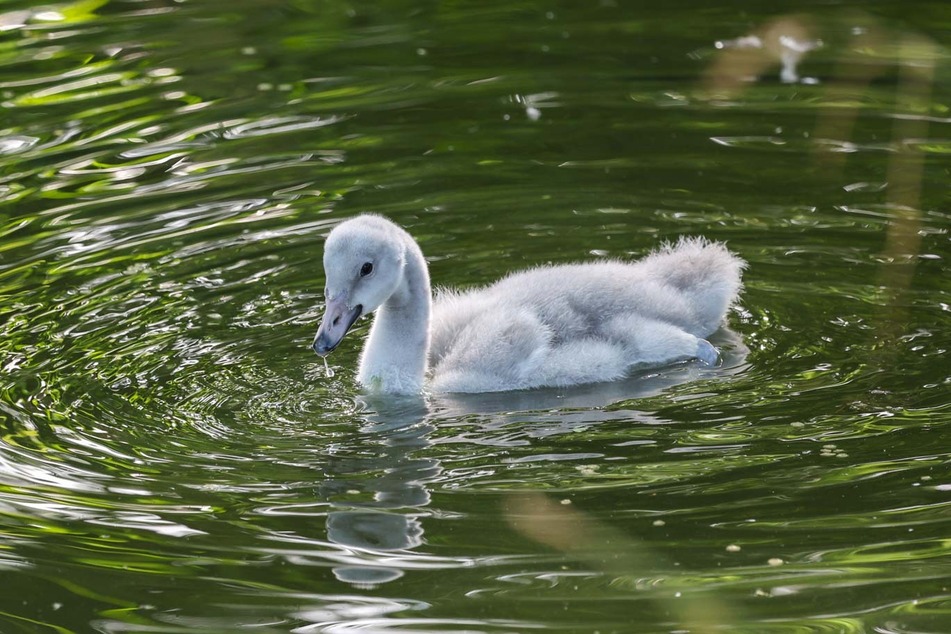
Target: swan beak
x: 338, y: 317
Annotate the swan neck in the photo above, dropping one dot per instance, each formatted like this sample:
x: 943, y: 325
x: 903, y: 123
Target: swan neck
x: 394, y: 359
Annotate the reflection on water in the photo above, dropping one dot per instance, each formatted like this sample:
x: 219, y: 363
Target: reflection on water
x: 174, y: 459
x: 393, y: 480
x: 393, y: 483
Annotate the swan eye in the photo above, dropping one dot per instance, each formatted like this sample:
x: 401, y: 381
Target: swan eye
x: 366, y: 269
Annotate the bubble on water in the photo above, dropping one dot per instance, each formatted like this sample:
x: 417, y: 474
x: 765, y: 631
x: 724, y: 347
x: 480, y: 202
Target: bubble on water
x: 329, y: 372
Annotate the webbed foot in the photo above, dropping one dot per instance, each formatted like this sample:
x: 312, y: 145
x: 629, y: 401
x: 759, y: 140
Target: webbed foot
x: 706, y: 353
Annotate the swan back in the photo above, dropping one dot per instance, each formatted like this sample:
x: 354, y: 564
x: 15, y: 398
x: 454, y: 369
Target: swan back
x: 578, y: 323
x: 689, y: 284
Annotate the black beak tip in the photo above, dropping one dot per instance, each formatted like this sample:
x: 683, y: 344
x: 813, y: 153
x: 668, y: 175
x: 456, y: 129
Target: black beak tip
x: 321, y: 348
x: 323, y: 344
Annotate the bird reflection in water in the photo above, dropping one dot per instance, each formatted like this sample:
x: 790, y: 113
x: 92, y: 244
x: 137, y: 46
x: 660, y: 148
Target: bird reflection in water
x: 378, y: 484
x: 379, y: 479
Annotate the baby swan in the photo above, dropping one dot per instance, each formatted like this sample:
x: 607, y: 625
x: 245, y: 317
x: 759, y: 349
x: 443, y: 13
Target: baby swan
x: 548, y: 326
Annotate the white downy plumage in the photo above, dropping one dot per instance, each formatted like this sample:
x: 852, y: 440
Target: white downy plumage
x: 548, y: 326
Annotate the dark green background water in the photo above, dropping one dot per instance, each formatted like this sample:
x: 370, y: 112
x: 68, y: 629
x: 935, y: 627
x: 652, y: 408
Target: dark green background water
x: 175, y: 459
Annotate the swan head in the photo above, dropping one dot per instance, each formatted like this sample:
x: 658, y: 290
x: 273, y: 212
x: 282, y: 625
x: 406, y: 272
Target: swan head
x: 363, y: 264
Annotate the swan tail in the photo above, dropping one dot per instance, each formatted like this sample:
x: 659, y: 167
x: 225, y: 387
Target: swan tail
x: 705, y: 273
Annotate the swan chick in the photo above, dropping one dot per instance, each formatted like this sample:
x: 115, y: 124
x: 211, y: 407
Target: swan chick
x: 548, y: 326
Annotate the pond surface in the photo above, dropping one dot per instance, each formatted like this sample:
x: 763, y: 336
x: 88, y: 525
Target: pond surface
x: 174, y: 458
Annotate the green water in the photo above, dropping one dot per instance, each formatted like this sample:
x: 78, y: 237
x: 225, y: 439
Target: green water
x: 174, y: 458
